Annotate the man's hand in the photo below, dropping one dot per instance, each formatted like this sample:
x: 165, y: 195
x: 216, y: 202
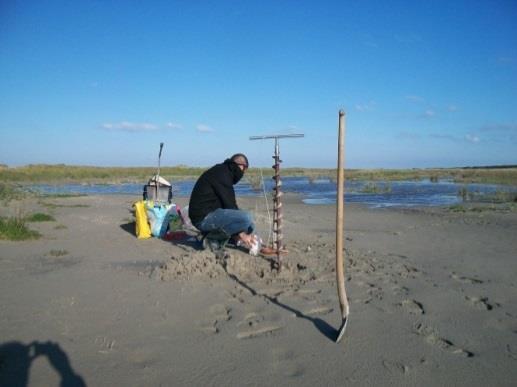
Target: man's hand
x: 247, y: 239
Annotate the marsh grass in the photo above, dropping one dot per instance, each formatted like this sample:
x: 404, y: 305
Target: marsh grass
x: 10, y: 192
x: 61, y: 173
x: 499, y: 196
x: 54, y: 205
x: 40, y: 217
x: 255, y: 181
x: 457, y: 208
x: 375, y: 188
x: 60, y: 195
x: 488, y: 207
x: 58, y: 253
x: 15, y: 229
x: 38, y: 173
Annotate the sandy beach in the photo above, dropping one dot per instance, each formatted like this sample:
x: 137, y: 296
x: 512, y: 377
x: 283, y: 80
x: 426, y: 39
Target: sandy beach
x: 432, y: 296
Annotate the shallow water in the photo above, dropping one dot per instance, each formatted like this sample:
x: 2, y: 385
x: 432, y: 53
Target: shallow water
x: 322, y: 191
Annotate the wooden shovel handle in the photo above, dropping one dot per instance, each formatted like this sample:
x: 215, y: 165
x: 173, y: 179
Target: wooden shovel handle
x: 340, y: 271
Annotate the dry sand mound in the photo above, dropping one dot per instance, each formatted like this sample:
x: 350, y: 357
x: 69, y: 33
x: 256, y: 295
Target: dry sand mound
x: 297, y: 268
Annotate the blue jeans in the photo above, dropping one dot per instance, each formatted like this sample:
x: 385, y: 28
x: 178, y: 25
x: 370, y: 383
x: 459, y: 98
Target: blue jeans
x: 228, y: 221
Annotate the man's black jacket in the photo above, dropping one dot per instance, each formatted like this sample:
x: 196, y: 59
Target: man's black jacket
x: 213, y: 190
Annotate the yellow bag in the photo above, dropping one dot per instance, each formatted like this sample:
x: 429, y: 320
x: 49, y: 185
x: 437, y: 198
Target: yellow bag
x: 143, y: 231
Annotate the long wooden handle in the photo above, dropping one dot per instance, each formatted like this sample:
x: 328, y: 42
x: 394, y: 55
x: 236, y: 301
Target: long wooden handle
x: 340, y: 271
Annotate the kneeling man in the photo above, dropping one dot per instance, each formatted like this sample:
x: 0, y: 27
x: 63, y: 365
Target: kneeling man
x: 213, y: 208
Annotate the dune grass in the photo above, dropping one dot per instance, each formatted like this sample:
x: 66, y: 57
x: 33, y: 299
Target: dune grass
x: 58, y: 253
x: 39, y: 217
x: 15, y: 229
x: 9, y: 191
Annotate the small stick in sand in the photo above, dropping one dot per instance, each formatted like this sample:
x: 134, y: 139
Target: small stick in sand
x: 340, y: 272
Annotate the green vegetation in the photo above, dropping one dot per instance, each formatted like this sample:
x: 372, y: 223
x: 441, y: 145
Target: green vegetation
x: 45, y: 173
x: 61, y: 173
x: 457, y: 208
x: 60, y: 227
x: 498, y: 196
x: 460, y: 175
x: 10, y: 192
x: 57, y: 253
x: 374, y: 188
x: 40, y: 217
x: 61, y: 195
x: 492, y: 207
x: 15, y: 229
x: 54, y: 205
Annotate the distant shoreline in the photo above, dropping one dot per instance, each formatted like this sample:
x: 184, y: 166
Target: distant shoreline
x: 61, y: 173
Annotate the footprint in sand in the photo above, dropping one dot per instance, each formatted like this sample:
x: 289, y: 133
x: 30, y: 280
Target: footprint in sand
x: 395, y: 367
x: 431, y: 337
x: 105, y: 344
x: 254, y: 325
x: 375, y: 292
x: 271, y: 293
x: 318, y: 311
x: 251, y: 320
x: 465, y: 280
x: 258, y: 332
x: 400, y: 290
x: 409, y: 271
x: 480, y: 302
x: 208, y: 327
x: 219, y: 314
x: 285, y: 362
x: 412, y: 306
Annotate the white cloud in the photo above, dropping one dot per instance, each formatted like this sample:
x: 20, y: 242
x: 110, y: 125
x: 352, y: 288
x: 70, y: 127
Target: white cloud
x: 130, y: 126
x: 440, y: 136
x: 429, y: 113
x: 371, y: 43
x: 172, y: 125
x: 449, y: 137
x: 406, y: 135
x: 506, y: 60
x: 204, y: 128
x: 415, y: 98
x: 471, y: 138
x: 365, y: 107
x: 499, y: 128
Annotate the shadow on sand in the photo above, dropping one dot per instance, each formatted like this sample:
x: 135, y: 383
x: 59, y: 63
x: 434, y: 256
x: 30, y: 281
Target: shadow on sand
x: 328, y: 331
x: 129, y: 228
x: 16, y: 359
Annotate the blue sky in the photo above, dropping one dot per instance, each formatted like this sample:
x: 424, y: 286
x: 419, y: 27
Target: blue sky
x: 423, y: 84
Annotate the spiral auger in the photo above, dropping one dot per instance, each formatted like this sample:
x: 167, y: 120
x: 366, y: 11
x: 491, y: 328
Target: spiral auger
x: 277, y: 243
x: 277, y: 210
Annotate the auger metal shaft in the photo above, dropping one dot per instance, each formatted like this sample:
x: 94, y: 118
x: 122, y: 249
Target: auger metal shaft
x: 277, y: 207
x: 277, y: 243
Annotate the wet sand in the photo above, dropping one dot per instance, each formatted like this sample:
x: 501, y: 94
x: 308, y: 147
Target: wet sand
x: 432, y: 296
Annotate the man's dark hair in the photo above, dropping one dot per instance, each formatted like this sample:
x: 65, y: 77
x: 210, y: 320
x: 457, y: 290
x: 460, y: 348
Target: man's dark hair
x: 240, y: 158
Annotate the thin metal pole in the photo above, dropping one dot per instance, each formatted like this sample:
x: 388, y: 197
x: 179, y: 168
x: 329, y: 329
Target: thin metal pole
x: 157, y: 180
